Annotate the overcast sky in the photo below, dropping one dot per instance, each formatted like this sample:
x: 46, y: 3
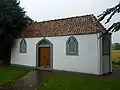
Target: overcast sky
x: 41, y: 10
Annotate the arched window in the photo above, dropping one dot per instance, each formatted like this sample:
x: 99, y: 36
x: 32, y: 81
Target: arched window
x: 23, y: 46
x: 72, y: 46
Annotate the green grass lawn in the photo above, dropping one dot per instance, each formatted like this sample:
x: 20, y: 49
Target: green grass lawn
x: 9, y: 74
x: 57, y: 81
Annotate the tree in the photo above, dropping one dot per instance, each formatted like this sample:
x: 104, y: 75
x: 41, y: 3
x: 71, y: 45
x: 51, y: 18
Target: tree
x: 110, y: 12
x: 13, y: 21
x: 116, y: 46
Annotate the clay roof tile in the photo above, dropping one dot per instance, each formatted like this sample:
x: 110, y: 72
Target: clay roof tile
x: 86, y: 24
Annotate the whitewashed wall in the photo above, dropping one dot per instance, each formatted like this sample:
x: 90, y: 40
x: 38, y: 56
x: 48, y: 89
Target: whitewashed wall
x: 88, y: 60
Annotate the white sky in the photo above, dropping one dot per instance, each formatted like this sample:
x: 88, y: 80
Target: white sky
x: 41, y: 10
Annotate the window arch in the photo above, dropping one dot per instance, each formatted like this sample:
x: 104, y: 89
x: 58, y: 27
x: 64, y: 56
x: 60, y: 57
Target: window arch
x: 44, y: 42
x: 23, y: 46
x: 72, y: 46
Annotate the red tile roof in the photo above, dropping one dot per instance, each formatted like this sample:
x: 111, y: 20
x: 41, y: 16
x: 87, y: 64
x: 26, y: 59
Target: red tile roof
x: 79, y: 25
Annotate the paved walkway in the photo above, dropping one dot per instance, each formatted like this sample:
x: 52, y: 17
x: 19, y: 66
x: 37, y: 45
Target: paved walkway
x: 29, y: 82
x: 36, y: 77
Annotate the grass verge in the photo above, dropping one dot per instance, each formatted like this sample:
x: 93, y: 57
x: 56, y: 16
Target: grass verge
x: 10, y: 74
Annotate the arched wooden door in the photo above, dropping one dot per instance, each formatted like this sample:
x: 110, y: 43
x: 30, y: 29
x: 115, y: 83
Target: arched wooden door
x: 44, y: 54
x: 45, y: 57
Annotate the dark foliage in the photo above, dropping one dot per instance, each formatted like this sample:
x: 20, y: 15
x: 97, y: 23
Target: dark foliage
x: 116, y: 62
x: 111, y: 12
x: 13, y: 21
x: 116, y: 46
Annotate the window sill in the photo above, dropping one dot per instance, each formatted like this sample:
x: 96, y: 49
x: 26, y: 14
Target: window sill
x: 68, y: 54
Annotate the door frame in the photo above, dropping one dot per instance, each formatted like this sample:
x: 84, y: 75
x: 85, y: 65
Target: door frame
x: 38, y: 46
x: 109, y: 54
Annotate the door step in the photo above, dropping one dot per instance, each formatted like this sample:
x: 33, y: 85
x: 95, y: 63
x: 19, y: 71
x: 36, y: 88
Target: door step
x: 42, y: 68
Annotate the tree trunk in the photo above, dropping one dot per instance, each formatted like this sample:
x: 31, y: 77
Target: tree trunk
x: 5, y: 54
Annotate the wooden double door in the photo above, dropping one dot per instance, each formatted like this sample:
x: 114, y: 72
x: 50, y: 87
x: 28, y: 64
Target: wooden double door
x: 45, y: 57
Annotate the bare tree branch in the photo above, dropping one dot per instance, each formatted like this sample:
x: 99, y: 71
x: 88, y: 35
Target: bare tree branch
x: 111, y: 12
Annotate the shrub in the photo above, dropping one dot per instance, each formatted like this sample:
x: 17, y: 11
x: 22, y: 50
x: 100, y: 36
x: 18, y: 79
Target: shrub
x: 116, y: 61
x: 116, y: 57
